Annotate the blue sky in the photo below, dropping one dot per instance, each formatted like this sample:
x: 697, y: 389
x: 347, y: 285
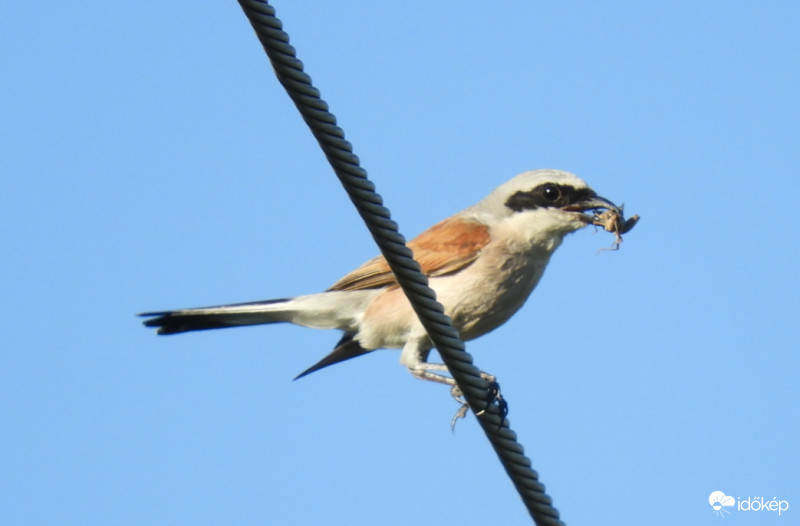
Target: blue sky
x: 152, y: 161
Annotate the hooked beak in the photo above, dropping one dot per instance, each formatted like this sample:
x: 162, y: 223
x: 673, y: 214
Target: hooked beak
x: 593, y: 204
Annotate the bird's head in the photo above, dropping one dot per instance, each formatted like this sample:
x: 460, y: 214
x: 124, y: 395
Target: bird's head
x: 543, y: 205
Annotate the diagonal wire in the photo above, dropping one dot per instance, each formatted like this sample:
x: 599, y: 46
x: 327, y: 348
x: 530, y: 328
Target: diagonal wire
x: 369, y: 204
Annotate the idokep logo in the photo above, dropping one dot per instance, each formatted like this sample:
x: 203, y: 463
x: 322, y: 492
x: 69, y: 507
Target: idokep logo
x: 723, y: 505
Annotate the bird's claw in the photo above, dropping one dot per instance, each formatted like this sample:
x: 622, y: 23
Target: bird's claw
x: 461, y: 413
x: 492, y: 395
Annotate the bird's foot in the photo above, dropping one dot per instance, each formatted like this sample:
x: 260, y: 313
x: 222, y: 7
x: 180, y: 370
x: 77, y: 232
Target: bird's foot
x: 493, y: 395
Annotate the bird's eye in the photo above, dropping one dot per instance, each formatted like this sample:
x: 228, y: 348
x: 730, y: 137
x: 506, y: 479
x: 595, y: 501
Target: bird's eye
x: 551, y: 193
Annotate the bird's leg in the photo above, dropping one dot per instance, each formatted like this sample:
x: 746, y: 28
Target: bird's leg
x: 423, y: 372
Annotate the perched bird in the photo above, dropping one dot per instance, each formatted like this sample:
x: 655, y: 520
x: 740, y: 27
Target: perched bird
x: 482, y: 262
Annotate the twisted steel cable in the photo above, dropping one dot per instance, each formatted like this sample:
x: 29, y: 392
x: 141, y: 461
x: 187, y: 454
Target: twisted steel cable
x: 369, y: 204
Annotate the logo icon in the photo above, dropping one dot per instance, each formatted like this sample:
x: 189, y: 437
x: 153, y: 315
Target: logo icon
x: 719, y: 501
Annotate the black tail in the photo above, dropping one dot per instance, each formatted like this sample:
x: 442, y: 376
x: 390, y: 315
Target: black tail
x: 220, y: 317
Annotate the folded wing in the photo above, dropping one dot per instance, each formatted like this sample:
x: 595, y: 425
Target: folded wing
x: 443, y: 249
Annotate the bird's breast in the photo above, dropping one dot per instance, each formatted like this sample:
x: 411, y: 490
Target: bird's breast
x: 488, y: 293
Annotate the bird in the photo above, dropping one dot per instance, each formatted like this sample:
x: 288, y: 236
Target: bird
x: 482, y: 262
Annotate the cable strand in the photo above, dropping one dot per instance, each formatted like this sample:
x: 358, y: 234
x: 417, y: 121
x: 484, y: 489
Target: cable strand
x: 339, y: 152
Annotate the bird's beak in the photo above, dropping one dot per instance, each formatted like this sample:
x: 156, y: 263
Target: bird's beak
x: 593, y: 204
